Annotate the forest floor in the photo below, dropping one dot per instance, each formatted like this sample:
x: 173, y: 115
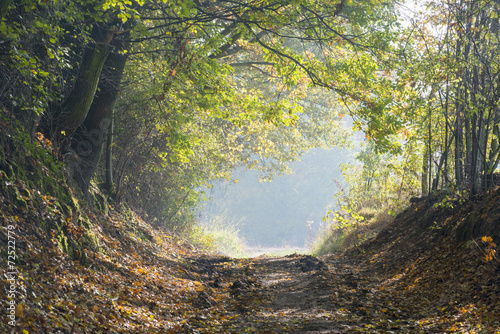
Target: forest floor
x: 414, y: 277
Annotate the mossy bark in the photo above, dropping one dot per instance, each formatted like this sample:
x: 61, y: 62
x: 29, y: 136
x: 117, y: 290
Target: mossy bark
x: 76, y: 107
x: 89, y: 139
x: 65, y: 118
x: 4, y: 8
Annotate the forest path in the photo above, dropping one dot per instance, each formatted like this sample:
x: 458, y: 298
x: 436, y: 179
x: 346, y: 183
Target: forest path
x: 303, y: 294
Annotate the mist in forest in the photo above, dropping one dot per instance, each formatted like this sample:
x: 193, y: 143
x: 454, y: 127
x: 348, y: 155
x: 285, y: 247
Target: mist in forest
x: 285, y: 212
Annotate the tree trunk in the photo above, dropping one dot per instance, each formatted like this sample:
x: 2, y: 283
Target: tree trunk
x: 459, y: 139
x: 468, y: 147
x: 494, y: 155
x: 425, y: 172
x: 495, y: 148
x: 4, y: 8
x: 446, y: 139
x: 474, y: 176
x: 439, y: 168
x: 108, y: 179
x: 466, y: 88
x: 429, y: 151
x: 66, y: 118
x: 89, y: 139
x: 459, y: 143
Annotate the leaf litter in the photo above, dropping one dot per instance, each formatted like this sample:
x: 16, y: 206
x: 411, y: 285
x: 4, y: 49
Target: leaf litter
x: 142, y: 279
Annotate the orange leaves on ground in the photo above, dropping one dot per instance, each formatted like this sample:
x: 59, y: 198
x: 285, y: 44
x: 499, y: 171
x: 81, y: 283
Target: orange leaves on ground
x: 130, y: 284
x: 487, y: 239
x: 490, y: 250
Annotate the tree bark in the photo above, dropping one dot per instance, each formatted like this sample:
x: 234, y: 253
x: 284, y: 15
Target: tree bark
x: 474, y: 176
x: 459, y: 143
x: 425, y: 172
x: 429, y: 152
x: 89, y: 139
x: 4, y: 8
x: 63, y: 120
x: 108, y: 179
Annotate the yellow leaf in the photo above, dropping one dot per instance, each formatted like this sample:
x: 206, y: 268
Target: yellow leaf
x: 487, y: 239
x: 19, y: 311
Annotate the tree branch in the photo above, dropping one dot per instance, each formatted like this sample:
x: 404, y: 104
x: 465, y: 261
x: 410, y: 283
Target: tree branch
x: 252, y: 63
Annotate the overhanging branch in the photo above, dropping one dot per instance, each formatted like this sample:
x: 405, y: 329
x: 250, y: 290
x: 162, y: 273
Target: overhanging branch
x: 252, y: 63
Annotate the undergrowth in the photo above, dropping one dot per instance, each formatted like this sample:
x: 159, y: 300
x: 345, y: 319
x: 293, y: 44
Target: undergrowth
x: 35, y: 187
x: 375, y: 188
x: 220, y: 235
x: 334, y: 238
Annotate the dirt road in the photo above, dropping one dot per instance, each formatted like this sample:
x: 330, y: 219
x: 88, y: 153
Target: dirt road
x: 300, y: 293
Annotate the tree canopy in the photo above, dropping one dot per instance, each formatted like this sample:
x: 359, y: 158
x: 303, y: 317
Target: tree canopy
x: 153, y: 99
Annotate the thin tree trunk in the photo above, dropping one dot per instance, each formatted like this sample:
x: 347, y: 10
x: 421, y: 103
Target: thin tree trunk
x: 425, y: 172
x: 439, y: 167
x: 108, y: 181
x: 495, y: 147
x: 459, y: 173
x: 459, y: 142
x: 474, y: 157
x: 468, y: 148
x: 494, y: 152
x: 467, y: 21
x: 429, y: 151
x: 447, y: 139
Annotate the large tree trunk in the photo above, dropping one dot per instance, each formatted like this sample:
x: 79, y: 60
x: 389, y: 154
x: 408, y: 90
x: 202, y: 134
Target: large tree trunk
x: 64, y: 119
x: 4, y: 8
x: 88, y: 140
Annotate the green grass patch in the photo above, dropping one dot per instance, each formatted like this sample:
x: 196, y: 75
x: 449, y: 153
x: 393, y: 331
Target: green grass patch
x: 220, y: 235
